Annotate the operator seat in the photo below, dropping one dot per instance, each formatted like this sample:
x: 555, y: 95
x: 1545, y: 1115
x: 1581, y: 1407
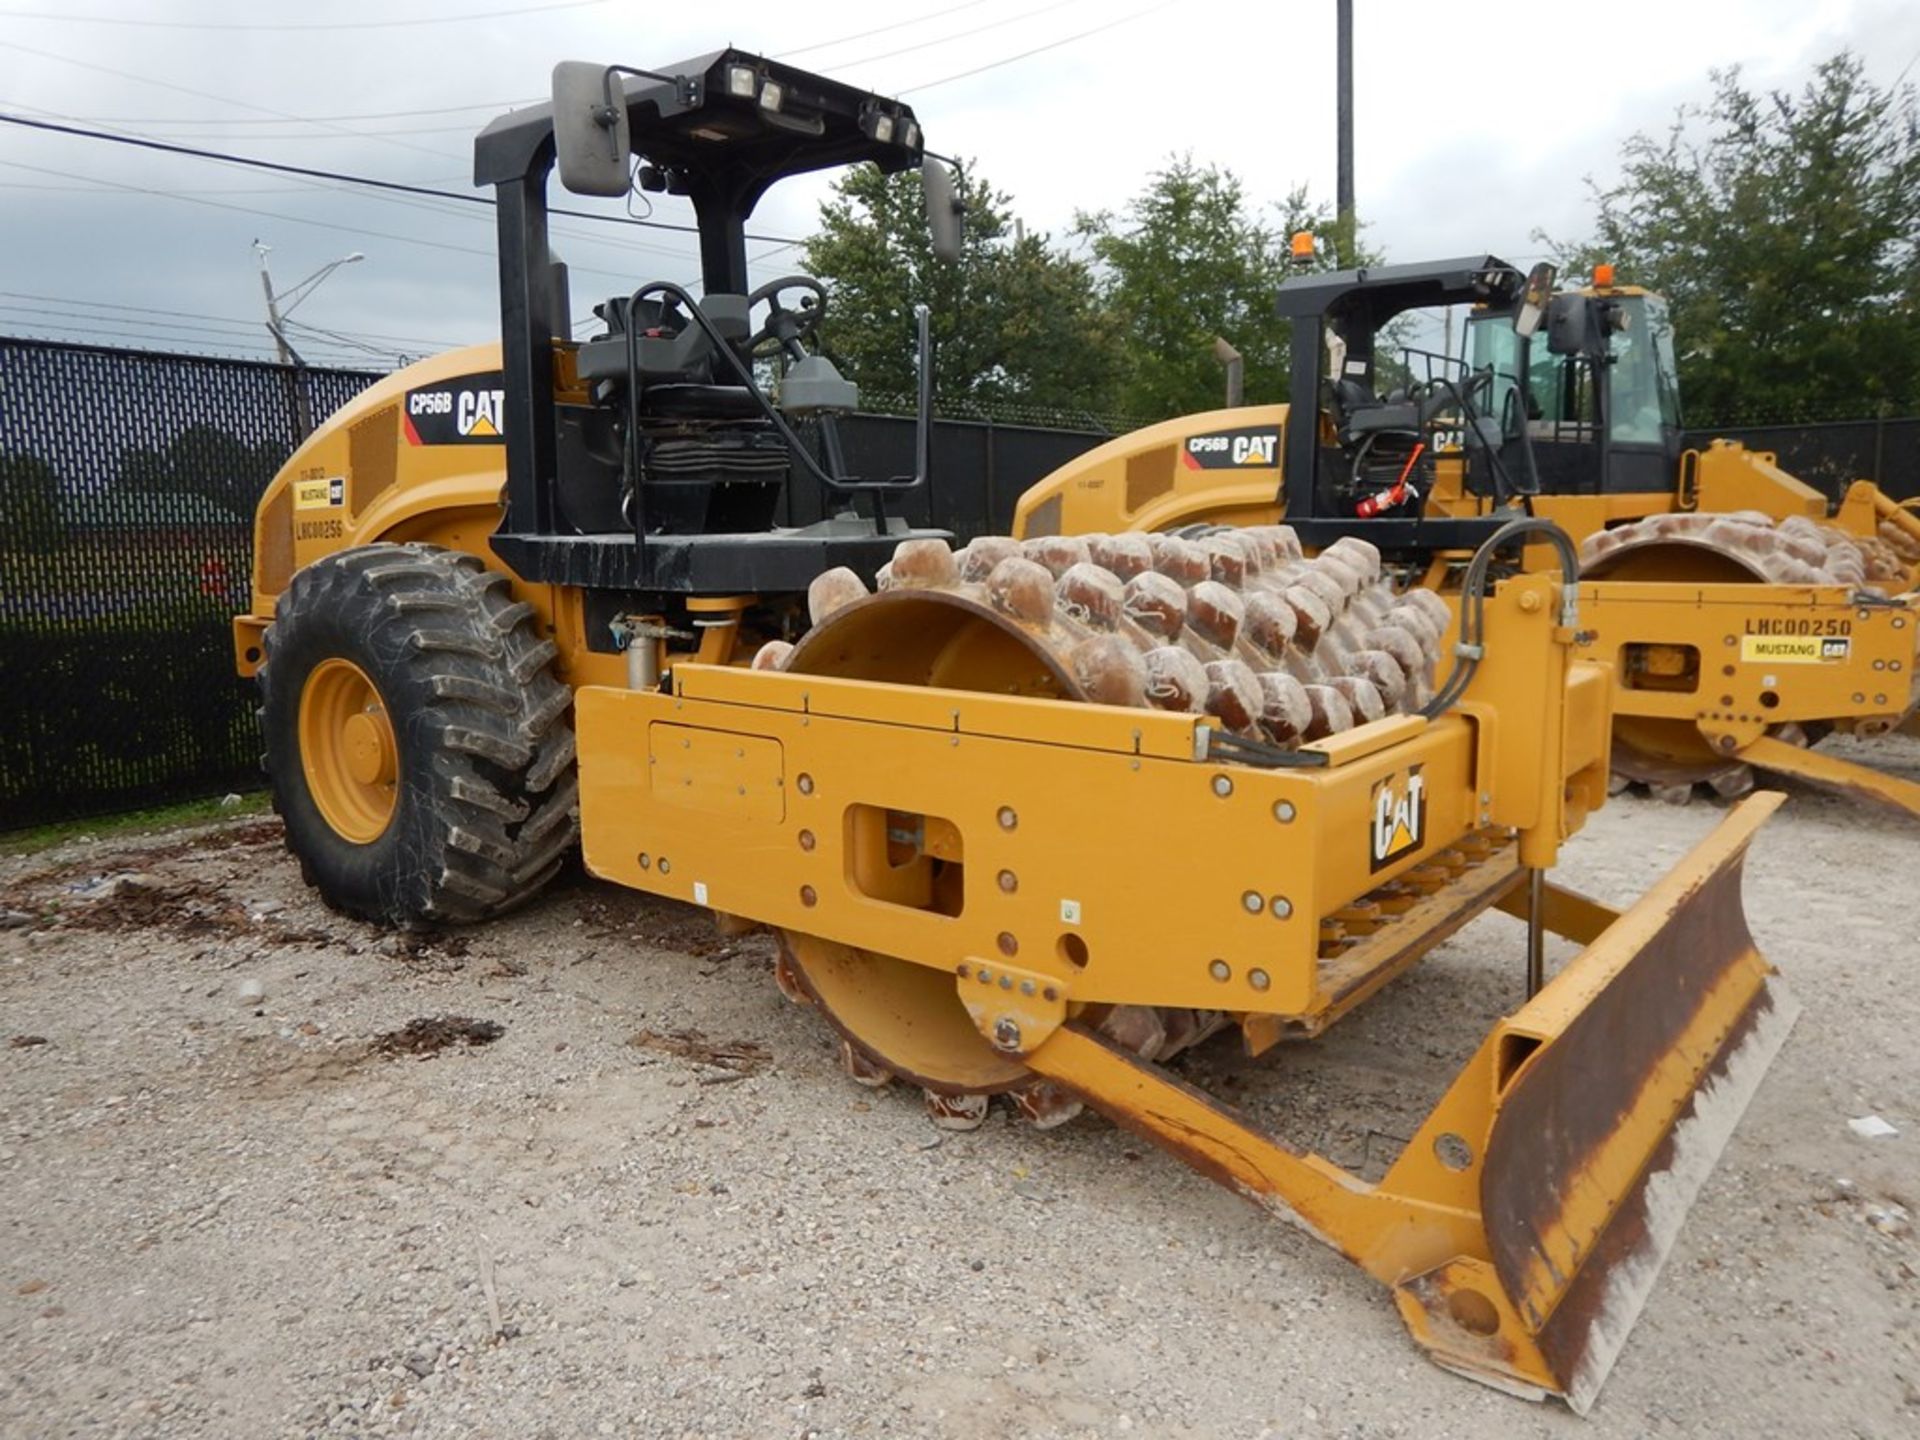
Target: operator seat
x: 1358, y: 412
x: 672, y: 354
x: 712, y: 462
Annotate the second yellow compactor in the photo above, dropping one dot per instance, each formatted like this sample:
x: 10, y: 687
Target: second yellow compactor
x: 1745, y: 616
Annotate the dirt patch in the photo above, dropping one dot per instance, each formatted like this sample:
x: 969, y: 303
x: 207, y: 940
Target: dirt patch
x: 432, y: 1034
x: 252, y: 1222
x: 198, y: 843
x: 663, y: 924
x: 742, y: 1056
x: 125, y: 900
x: 427, y: 951
x: 189, y: 909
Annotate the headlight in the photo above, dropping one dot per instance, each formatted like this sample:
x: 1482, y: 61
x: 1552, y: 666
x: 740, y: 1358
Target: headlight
x: 911, y: 139
x: 740, y: 81
x: 771, y: 95
x: 883, y: 129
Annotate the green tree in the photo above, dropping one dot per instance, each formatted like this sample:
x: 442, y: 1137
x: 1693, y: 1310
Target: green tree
x: 1783, y: 229
x: 205, y: 460
x: 1014, y: 321
x: 1190, y: 259
x: 30, y: 519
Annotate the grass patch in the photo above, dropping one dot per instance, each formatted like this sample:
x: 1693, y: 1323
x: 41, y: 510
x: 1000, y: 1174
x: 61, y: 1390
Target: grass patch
x: 160, y: 818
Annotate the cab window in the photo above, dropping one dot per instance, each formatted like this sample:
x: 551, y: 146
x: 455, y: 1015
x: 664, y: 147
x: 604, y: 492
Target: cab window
x: 1556, y: 391
x: 1646, y: 399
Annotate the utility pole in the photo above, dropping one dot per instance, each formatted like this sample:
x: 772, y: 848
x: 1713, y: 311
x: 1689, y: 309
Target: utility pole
x: 290, y: 358
x: 1347, y: 225
x: 295, y: 294
x: 287, y: 355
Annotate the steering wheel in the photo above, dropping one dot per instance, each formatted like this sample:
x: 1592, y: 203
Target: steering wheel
x: 1434, y: 397
x: 785, y: 329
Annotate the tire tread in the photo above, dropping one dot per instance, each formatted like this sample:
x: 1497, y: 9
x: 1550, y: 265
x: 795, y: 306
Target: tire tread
x: 499, y: 807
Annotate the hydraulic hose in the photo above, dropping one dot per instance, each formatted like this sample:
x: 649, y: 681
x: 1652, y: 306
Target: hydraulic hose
x: 1470, y: 647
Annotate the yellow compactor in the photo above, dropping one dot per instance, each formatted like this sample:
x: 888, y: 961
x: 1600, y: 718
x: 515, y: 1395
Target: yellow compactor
x: 1028, y: 819
x: 990, y: 883
x: 1746, y: 617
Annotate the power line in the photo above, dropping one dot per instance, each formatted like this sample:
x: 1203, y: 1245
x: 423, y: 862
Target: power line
x: 94, y: 187
x: 226, y: 320
x: 306, y: 220
x: 333, y: 355
x: 959, y: 35
x: 337, y: 176
x: 430, y: 207
x: 254, y: 135
x: 223, y: 331
x: 359, y: 337
x: 267, y: 214
x: 170, y: 331
x: 314, y: 333
x: 177, y: 327
x: 491, y: 105
x: 10, y: 295
x: 205, y: 95
x: 316, y: 25
x: 157, y: 332
x: 436, y: 203
x: 880, y: 30
x: 333, y: 225
x: 437, y: 207
x: 1037, y: 50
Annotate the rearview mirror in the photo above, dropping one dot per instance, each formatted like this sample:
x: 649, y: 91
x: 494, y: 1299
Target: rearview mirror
x: 590, y: 136
x: 944, y: 209
x: 1534, y: 300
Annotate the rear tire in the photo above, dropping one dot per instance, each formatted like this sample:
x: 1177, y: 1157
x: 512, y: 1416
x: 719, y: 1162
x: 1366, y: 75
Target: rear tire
x: 419, y: 744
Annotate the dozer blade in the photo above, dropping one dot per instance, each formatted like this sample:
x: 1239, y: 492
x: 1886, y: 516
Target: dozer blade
x: 1624, y: 1079
x: 1830, y: 771
x: 1523, y: 1227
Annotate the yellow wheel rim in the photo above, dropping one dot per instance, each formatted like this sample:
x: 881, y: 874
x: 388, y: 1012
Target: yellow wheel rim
x: 348, y: 751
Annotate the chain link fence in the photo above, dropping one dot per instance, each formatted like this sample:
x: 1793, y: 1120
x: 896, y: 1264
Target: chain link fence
x: 128, y: 481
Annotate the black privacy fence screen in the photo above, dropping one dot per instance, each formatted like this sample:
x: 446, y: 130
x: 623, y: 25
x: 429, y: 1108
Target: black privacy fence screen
x: 128, y: 481
x: 127, y: 487
x: 1831, y: 454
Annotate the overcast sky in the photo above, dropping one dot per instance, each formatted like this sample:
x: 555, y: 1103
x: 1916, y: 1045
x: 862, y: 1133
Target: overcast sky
x: 1475, y: 127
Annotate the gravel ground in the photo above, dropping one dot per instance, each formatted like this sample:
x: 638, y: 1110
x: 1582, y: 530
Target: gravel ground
x: 654, y: 1207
